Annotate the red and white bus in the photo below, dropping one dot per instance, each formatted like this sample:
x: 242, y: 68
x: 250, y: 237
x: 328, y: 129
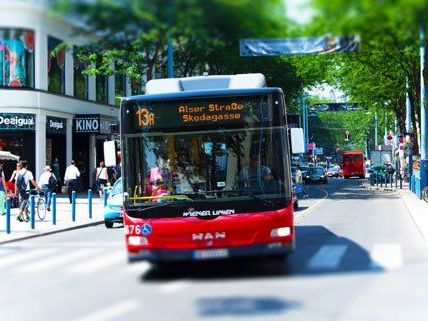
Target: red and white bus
x: 353, y: 164
x: 206, y: 170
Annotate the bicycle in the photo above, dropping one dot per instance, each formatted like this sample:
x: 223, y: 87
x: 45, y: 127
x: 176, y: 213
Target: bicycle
x: 39, y: 204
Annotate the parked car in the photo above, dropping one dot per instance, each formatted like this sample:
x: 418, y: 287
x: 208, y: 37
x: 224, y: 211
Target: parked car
x: 316, y: 175
x: 334, y: 171
x: 113, y: 209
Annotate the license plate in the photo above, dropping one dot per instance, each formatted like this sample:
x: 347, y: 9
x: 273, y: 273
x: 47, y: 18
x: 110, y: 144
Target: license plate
x: 211, y: 254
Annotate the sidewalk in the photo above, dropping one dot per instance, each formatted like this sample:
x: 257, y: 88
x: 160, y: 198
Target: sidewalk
x: 22, y: 230
x: 418, y: 210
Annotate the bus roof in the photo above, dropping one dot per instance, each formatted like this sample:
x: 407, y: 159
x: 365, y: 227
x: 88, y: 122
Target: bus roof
x: 203, y: 93
x: 173, y: 85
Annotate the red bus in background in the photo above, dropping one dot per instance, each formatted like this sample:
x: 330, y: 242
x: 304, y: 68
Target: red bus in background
x: 206, y: 173
x: 353, y: 164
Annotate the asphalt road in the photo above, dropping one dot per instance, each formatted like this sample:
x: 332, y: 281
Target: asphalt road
x: 359, y: 257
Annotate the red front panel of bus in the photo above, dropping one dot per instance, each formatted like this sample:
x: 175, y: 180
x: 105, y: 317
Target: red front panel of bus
x: 353, y: 164
x: 191, y: 233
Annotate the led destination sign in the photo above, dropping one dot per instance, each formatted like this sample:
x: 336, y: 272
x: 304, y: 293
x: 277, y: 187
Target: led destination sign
x: 250, y: 111
x: 186, y: 114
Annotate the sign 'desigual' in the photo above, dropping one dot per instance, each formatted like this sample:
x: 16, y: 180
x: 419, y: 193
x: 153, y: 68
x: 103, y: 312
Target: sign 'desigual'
x: 12, y: 121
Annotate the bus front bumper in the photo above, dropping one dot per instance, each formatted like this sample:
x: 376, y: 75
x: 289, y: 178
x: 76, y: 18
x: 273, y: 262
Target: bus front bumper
x: 265, y: 249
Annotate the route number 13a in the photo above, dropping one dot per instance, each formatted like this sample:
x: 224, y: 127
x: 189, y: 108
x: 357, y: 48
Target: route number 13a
x: 145, y: 118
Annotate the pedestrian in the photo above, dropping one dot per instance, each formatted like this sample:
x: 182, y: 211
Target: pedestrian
x: 101, y: 178
x: 3, y: 191
x: 70, y: 178
x: 47, y: 182
x: 299, y: 181
x: 56, y: 169
x: 22, y: 183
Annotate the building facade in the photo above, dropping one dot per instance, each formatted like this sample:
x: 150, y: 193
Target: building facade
x: 48, y: 108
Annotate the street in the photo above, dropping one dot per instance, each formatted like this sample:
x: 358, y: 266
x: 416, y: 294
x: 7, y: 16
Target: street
x: 359, y: 257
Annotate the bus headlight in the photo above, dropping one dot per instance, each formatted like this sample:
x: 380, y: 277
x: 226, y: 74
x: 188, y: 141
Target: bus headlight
x: 138, y: 240
x: 280, y: 232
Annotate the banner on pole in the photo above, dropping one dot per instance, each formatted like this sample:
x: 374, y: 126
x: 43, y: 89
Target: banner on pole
x: 293, y: 46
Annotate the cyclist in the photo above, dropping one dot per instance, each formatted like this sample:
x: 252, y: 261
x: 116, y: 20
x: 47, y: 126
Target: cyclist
x: 23, y: 179
x: 48, y: 183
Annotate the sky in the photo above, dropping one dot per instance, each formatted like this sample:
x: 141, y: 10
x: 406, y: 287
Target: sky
x: 298, y: 10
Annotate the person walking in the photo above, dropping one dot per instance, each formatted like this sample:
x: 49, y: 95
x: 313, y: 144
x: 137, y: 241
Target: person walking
x: 70, y: 178
x: 299, y: 181
x: 3, y: 192
x: 101, y: 178
x: 22, y: 183
x: 47, y: 182
x: 56, y: 170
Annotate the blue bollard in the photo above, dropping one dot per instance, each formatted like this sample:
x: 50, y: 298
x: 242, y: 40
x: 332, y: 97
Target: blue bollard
x: 32, y: 211
x: 90, y: 202
x: 54, y: 208
x: 8, y: 216
x: 73, y: 206
x: 105, y: 196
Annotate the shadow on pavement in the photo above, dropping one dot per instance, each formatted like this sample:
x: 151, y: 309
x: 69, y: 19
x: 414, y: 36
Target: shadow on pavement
x: 242, y: 306
x: 313, y: 256
x: 301, y: 208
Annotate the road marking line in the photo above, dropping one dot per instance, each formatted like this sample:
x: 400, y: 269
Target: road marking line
x: 313, y: 207
x: 54, y: 261
x: 386, y: 256
x: 327, y: 257
x: 23, y: 256
x: 110, y: 312
x: 97, y: 264
x: 173, y: 287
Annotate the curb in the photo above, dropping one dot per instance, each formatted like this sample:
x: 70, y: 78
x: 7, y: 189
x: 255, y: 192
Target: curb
x: 77, y: 227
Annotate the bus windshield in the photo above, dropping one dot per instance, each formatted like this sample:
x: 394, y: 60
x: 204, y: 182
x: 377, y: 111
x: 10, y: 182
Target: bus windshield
x: 200, y: 165
x: 192, y: 164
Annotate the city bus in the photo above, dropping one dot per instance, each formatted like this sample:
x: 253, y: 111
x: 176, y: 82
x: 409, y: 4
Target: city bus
x: 353, y: 164
x: 206, y: 170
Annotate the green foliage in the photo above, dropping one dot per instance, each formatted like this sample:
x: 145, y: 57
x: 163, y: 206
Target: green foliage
x: 133, y: 35
x: 328, y: 129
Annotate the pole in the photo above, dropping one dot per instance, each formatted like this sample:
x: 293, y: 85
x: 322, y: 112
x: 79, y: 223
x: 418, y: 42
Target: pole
x: 8, y: 215
x: 73, y: 206
x: 54, y: 208
x: 424, y: 154
x: 90, y: 202
x: 170, y: 67
x: 32, y: 211
x: 375, y: 130
x: 409, y: 131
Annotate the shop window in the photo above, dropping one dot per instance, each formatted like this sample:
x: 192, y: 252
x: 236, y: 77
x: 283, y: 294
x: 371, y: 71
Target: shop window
x: 56, y: 67
x: 120, y: 88
x: 16, y: 58
x: 102, y: 89
x: 80, y: 80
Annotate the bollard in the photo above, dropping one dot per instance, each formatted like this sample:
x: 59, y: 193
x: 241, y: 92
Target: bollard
x: 8, y: 215
x: 32, y: 211
x: 90, y: 202
x: 396, y: 181
x: 381, y: 182
x: 391, y: 178
x: 54, y: 208
x: 401, y: 182
x: 73, y: 206
x: 105, y: 196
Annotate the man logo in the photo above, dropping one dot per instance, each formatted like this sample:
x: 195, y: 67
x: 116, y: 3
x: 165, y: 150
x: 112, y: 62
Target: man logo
x: 208, y: 236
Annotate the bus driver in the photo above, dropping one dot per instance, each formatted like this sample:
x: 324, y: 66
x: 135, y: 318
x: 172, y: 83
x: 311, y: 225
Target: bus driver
x: 256, y: 176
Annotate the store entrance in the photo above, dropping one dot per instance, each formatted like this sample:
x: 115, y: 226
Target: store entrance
x: 18, y: 143
x: 81, y: 157
x: 56, y: 148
